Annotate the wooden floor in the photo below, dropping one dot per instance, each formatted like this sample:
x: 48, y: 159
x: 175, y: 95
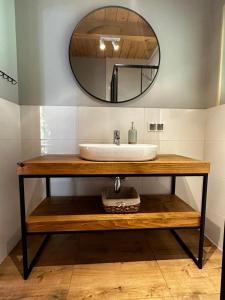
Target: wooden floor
x: 113, y: 266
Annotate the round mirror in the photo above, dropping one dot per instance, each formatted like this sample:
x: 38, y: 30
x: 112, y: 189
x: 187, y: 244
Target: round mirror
x: 114, y: 54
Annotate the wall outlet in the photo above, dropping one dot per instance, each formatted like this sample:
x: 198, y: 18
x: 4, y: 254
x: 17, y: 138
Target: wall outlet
x: 152, y: 127
x: 160, y: 127
x: 155, y: 127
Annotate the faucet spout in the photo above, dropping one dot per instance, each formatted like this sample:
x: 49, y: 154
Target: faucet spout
x: 116, y: 137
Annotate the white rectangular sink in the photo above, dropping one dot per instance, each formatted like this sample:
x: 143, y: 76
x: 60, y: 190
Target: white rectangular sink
x: 123, y: 152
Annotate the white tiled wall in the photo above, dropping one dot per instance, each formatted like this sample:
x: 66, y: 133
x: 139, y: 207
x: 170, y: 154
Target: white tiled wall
x: 99, y: 123
x: 215, y: 153
x: 184, y: 128
x: 61, y: 129
x: 9, y: 156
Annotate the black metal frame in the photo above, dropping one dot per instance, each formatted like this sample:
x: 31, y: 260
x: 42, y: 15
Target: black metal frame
x: 115, y: 74
x: 28, y: 267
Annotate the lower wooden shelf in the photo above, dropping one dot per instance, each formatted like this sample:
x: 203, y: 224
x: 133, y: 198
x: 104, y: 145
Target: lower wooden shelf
x: 56, y: 214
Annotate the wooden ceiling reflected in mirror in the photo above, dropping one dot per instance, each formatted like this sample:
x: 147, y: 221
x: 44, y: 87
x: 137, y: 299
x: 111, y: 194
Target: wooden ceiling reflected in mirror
x: 114, y: 54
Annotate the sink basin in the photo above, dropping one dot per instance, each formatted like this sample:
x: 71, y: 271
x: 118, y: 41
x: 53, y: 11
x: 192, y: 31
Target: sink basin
x: 123, y: 152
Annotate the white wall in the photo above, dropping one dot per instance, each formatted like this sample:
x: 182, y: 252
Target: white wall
x: 215, y: 153
x: 8, y: 54
x: 9, y: 156
x: 186, y: 79
x: 9, y: 132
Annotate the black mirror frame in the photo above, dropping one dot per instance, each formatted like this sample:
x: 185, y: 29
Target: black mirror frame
x: 86, y: 91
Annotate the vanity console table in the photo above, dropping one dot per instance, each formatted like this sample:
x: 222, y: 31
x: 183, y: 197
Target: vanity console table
x: 56, y: 215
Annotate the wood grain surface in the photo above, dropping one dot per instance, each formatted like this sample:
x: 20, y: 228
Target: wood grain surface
x: 87, y: 213
x: 73, y: 165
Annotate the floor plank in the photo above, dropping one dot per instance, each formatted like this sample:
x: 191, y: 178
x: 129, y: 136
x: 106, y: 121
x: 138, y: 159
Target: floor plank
x: 132, y: 279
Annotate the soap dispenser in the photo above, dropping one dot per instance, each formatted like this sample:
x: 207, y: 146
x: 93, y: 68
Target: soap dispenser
x: 132, y: 135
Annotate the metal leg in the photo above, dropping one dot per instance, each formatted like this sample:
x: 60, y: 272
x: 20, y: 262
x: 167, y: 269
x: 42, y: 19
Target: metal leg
x: 48, y: 187
x: 38, y: 253
x: 26, y: 267
x: 199, y: 260
x: 173, y: 185
x: 23, y: 227
x: 202, y: 221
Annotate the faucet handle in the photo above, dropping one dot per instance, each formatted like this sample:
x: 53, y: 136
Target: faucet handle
x: 116, y: 133
x: 116, y: 137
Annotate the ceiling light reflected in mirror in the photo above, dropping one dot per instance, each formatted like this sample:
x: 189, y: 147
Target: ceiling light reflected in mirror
x: 114, y: 41
x: 102, y: 44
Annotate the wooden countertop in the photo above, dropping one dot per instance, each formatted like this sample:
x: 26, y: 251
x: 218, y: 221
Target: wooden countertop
x: 67, y: 164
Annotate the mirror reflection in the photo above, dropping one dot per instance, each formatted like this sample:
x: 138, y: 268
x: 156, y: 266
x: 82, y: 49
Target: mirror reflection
x: 114, y: 54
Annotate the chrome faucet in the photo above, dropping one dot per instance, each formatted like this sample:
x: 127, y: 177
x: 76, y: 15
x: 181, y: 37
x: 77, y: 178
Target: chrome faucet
x: 116, y: 137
